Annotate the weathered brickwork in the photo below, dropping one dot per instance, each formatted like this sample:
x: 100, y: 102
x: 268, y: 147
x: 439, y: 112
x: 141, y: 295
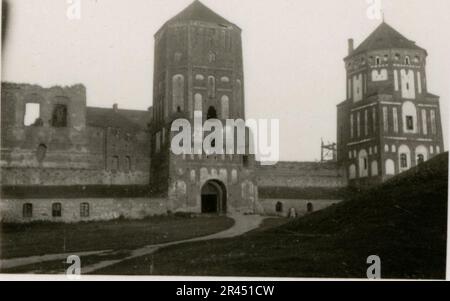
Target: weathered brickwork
x: 389, y: 122
x: 68, y: 143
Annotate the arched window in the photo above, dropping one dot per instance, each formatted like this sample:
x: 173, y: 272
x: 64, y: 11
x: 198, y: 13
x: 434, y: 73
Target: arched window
x: 225, y: 102
x: 56, y: 209
x: 279, y: 207
x: 198, y: 106
x: 421, y: 154
x: 84, y: 210
x: 178, y: 93
x: 378, y: 61
x: 403, y: 161
x: 27, y: 210
x: 390, y: 167
x: 363, y: 164
x: 212, y: 113
x: 407, y: 61
x: 211, y: 87
x: 404, y: 157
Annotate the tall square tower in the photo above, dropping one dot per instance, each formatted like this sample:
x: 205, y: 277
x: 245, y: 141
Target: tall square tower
x: 199, y: 70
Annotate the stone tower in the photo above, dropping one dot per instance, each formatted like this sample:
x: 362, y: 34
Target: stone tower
x: 199, y: 69
x: 389, y: 121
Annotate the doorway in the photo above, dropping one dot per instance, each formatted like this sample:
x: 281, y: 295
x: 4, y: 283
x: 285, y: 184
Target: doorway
x: 214, y: 197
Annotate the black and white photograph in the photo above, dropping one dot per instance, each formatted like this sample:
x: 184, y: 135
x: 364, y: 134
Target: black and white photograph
x: 224, y: 139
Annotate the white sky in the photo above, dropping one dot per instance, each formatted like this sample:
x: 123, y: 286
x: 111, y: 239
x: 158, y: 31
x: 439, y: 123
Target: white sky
x: 293, y: 53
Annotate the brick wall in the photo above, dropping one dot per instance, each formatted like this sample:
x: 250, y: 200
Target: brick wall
x: 100, y: 209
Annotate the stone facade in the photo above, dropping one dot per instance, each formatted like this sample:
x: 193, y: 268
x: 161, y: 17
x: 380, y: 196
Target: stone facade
x: 389, y: 121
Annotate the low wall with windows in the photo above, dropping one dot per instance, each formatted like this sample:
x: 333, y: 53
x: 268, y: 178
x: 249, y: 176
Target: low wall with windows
x: 25, y: 210
x: 285, y: 207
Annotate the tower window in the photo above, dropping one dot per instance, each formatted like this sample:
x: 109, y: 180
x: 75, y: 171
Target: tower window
x: 56, y: 209
x: 407, y: 61
x: 409, y: 123
x: 211, y: 87
x: 178, y: 92
x: 212, y: 113
x: 378, y: 61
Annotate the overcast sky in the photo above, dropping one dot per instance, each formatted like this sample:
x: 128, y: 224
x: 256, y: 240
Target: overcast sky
x: 293, y: 53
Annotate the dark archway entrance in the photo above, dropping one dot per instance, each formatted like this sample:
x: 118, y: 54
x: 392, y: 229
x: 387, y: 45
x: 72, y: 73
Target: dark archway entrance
x: 214, y: 197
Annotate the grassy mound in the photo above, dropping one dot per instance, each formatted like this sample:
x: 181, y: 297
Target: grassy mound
x: 404, y: 221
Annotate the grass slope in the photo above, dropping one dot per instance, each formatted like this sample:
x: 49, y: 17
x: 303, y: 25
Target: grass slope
x: 404, y: 221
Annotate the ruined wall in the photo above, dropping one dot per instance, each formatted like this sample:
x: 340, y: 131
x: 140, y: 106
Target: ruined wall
x: 98, y: 209
x: 46, y: 143
x: 68, y: 143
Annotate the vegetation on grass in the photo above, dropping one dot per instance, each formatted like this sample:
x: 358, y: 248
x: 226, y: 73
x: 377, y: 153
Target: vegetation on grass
x: 22, y: 240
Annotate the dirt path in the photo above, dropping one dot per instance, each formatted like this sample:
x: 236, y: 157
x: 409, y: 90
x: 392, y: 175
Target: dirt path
x: 243, y: 224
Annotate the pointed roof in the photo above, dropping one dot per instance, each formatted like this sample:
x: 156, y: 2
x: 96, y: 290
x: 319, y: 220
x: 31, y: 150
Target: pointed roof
x: 385, y: 37
x: 197, y: 11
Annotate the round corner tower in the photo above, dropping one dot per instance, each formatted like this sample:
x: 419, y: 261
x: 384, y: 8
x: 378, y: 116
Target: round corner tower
x: 389, y: 121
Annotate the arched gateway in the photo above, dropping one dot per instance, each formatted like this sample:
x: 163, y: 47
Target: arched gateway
x: 214, y: 197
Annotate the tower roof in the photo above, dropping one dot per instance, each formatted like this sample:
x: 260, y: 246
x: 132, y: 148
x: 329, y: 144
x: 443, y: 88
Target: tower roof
x: 197, y: 11
x: 385, y: 37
